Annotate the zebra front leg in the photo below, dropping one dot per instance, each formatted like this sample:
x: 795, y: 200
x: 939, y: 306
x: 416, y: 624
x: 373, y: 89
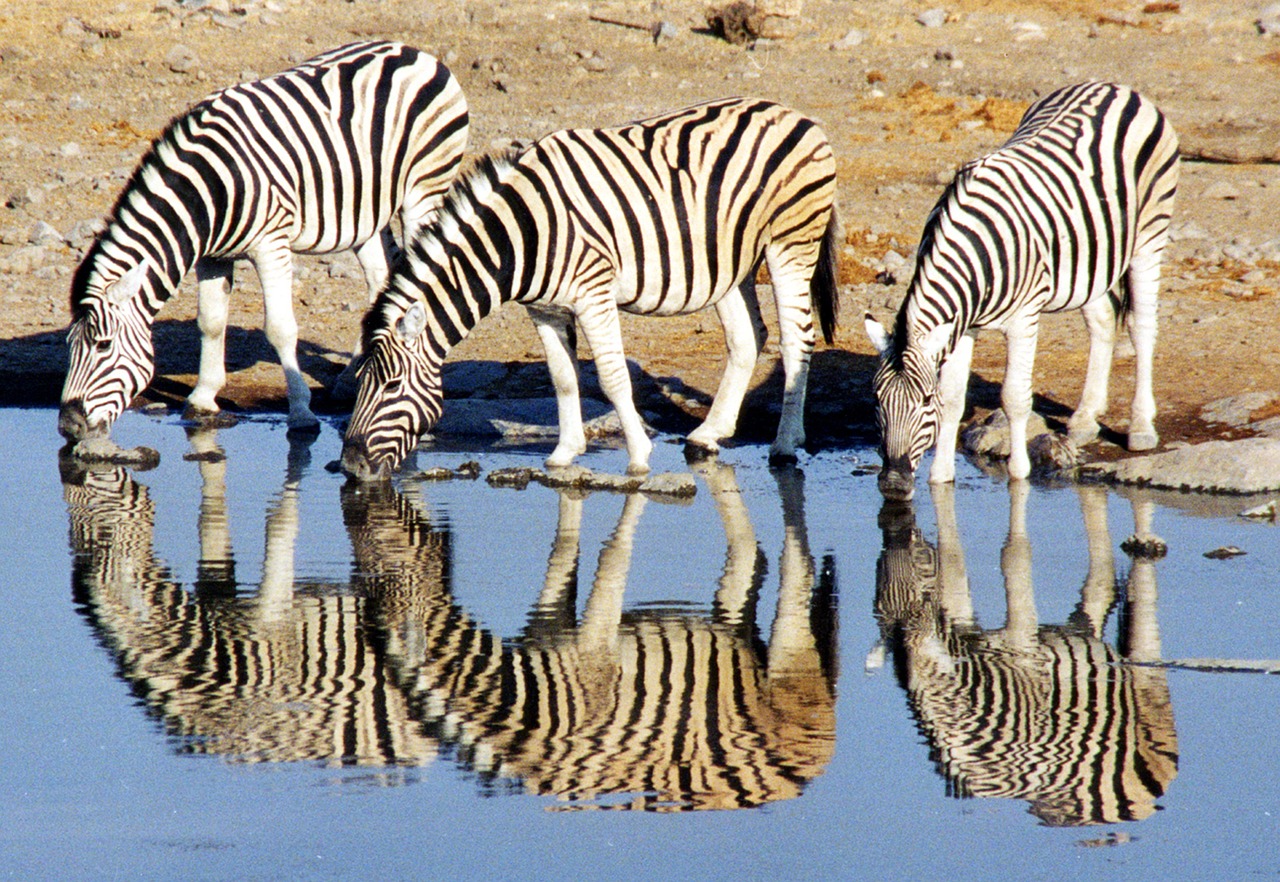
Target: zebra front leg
x: 274, y: 262
x: 744, y: 336
x: 1144, y: 283
x: 214, y: 277
x: 555, y: 329
x: 374, y: 256
x: 953, y: 388
x: 598, y: 316
x: 1015, y: 394
x: 1100, y: 320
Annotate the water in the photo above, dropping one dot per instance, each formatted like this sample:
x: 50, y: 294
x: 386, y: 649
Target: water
x: 245, y: 671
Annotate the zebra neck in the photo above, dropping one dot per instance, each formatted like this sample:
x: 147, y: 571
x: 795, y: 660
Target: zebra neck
x: 462, y: 290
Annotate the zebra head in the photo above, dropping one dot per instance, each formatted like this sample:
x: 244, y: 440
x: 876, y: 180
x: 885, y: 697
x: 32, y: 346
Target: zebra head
x: 399, y: 394
x: 110, y: 356
x: 907, y: 412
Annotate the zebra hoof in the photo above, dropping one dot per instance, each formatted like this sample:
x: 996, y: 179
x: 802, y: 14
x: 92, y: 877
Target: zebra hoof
x: 638, y: 469
x: 781, y: 460
x: 695, y: 452
x: 203, y: 418
x: 1143, y: 441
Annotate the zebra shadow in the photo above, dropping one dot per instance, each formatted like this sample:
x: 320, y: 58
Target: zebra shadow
x: 1050, y: 714
x: 283, y: 673
x: 651, y: 709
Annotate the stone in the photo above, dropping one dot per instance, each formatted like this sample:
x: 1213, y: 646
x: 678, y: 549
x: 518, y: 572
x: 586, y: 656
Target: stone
x: 1251, y: 465
x: 1268, y: 21
x: 522, y: 419
x: 1265, y: 512
x: 990, y: 436
x: 464, y: 378
x: 181, y: 59
x: 852, y: 38
x: 44, y: 234
x: 932, y: 18
x: 1236, y: 410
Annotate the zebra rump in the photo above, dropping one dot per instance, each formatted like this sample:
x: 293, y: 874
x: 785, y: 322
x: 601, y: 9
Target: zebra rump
x: 1072, y: 212
x: 312, y: 160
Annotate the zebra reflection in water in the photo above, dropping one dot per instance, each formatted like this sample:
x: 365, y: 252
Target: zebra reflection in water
x: 1046, y: 713
x: 286, y: 673
x: 622, y: 709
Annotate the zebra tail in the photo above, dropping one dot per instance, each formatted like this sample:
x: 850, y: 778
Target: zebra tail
x: 824, y: 297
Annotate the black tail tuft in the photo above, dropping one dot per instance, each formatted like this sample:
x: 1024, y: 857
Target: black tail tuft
x: 823, y: 294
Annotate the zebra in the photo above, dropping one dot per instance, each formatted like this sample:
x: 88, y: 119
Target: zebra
x: 664, y: 216
x: 653, y: 710
x: 1072, y: 212
x: 1051, y: 714
x: 286, y: 673
x: 312, y: 160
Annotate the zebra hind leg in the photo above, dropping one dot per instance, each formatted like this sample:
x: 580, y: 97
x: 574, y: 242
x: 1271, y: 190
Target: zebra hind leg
x: 555, y: 329
x: 744, y: 336
x: 214, y: 278
x: 796, y: 338
x: 1143, y: 279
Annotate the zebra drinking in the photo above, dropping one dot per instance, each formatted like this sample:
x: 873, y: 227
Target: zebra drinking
x: 660, y: 217
x: 1071, y: 213
x: 313, y: 160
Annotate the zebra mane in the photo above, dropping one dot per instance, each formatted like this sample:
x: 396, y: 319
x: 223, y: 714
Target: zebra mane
x: 462, y: 201
x: 150, y: 160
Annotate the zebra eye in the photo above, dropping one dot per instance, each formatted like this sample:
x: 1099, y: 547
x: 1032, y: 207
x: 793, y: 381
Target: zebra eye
x: 392, y: 387
x: 103, y: 345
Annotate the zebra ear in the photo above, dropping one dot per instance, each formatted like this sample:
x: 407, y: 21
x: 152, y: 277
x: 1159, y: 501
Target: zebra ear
x: 937, y: 341
x: 125, y: 288
x: 879, y: 336
x: 410, y: 325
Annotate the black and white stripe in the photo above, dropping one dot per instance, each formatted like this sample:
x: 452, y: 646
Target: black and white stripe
x: 1051, y: 714
x: 660, y: 217
x: 312, y: 160
x: 1071, y: 213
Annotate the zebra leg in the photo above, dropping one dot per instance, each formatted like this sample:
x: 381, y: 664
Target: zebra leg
x: 374, y: 256
x: 796, y: 340
x: 1100, y: 320
x: 274, y: 262
x: 555, y: 327
x: 214, y: 277
x: 744, y: 336
x: 1015, y: 394
x: 953, y: 385
x: 598, y: 316
x: 1144, y: 283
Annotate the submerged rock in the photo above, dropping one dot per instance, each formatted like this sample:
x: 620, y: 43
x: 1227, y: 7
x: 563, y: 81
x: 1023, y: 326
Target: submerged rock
x: 106, y: 451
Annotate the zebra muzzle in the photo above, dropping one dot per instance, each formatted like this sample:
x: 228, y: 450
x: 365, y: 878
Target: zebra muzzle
x: 358, y: 464
x: 897, y: 482
x: 73, y: 422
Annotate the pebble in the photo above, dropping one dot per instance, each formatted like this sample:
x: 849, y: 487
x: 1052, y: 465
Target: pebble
x: 44, y: 234
x: 1236, y: 410
x: 1265, y: 512
x: 181, y: 59
x: 23, y: 260
x: 854, y: 37
x: 1221, y: 190
x: 1268, y: 21
x: 932, y: 18
x: 1225, y: 552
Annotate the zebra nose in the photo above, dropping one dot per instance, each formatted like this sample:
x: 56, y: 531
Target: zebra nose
x: 357, y: 464
x: 73, y: 422
x: 896, y: 483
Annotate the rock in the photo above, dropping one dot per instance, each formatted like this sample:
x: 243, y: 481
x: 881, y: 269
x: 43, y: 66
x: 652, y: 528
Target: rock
x: 517, y: 478
x: 24, y: 260
x: 1265, y: 512
x: 1251, y: 465
x: 82, y: 233
x: 932, y: 18
x: 1221, y: 190
x: 1145, y: 547
x: 44, y: 234
x: 104, y: 450
x: 521, y: 418
x: 990, y: 437
x: 464, y: 378
x: 1224, y: 553
x: 1268, y: 21
x: 1052, y: 452
x: 673, y: 484
x: 181, y: 59
x: 854, y: 37
x: 1236, y: 410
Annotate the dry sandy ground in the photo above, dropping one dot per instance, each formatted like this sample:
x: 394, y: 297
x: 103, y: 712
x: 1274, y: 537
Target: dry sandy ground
x: 85, y: 85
